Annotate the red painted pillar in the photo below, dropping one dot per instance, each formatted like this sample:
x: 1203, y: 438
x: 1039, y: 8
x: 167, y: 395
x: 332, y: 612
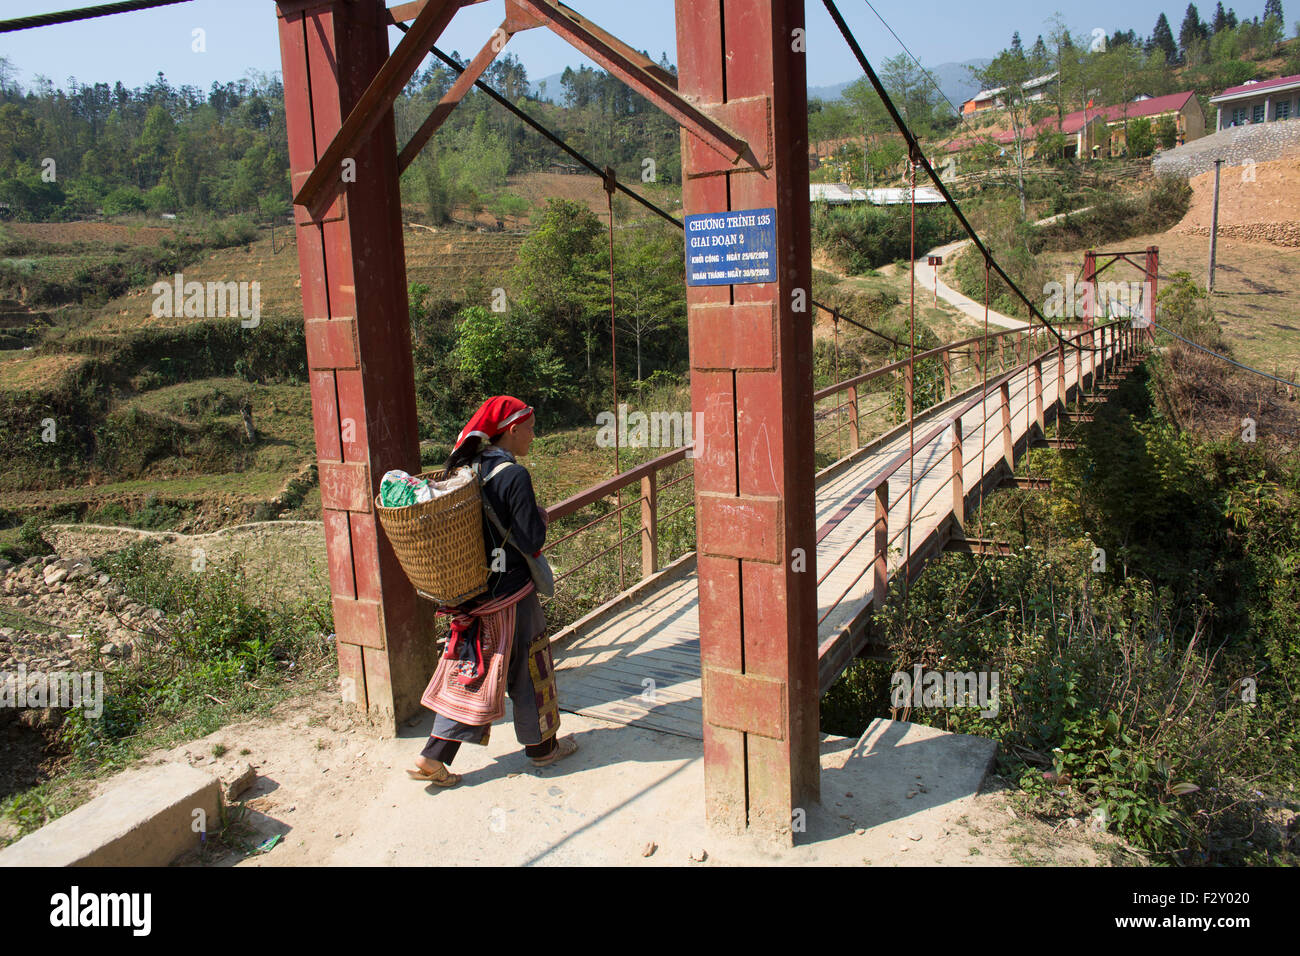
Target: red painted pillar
x: 742, y: 61
x: 358, y: 351
x: 1089, y: 283
x: 1152, y: 280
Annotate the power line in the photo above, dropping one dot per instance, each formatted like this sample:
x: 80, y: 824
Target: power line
x: 915, y: 155
x: 1224, y: 357
x: 928, y: 74
x: 599, y: 171
x: 82, y: 13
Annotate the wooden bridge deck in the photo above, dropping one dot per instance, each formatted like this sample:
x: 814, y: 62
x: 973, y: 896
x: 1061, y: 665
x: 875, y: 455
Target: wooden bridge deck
x: 637, y: 661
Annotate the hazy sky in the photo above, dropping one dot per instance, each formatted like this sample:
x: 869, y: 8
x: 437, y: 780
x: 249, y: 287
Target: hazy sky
x: 241, y: 35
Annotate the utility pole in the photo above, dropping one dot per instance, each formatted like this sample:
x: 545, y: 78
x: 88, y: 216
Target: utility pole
x: 1214, y: 224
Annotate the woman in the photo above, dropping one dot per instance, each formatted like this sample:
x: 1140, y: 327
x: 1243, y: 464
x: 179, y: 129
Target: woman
x: 465, y: 695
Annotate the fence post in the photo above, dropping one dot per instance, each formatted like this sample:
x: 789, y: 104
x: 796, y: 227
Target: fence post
x: 880, y: 582
x: 947, y: 376
x: 1008, y: 444
x: 1002, y: 353
x: 1060, y: 377
x: 958, y: 477
x: 909, y: 378
x: 649, y: 525
x: 853, y: 418
x: 1037, y: 369
x: 1078, y: 373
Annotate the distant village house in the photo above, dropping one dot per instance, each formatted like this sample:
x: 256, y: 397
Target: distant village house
x: 1257, y: 102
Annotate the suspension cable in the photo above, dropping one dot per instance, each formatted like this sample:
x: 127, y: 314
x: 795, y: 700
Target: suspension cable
x: 599, y: 171
x: 1224, y: 357
x: 914, y: 151
x: 984, y: 401
x: 82, y: 13
x: 911, y: 385
x: 611, y: 182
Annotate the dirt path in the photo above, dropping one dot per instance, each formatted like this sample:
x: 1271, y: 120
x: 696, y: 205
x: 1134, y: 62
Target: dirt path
x: 338, y: 797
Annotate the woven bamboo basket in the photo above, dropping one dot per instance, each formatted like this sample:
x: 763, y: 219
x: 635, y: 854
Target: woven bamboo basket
x: 440, y: 543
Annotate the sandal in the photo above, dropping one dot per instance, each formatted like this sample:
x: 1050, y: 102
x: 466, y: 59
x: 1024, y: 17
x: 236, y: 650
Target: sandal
x: 442, y: 777
x: 563, y: 748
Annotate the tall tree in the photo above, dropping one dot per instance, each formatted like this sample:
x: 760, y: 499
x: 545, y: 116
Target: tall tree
x: 1011, y: 70
x: 910, y: 90
x: 1062, y: 48
x: 1124, y: 76
x: 1273, y: 10
x: 1162, y: 39
x: 1192, y: 31
x: 1039, y: 50
x: 1220, y: 21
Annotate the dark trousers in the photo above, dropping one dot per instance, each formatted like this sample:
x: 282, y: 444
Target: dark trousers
x: 445, y: 750
x: 531, y: 685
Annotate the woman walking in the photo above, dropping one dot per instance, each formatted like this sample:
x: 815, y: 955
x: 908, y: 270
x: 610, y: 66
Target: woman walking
x: 498, y: 641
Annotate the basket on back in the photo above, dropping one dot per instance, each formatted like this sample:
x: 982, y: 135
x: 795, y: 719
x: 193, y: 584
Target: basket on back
x: 440, y: 542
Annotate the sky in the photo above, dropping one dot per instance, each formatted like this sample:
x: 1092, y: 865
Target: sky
x: 240, y: 35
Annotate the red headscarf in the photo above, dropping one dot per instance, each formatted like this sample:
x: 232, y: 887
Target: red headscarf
x: 493, y: 417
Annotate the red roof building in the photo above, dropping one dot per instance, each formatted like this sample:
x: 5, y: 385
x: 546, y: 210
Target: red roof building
x: 1266, y: 101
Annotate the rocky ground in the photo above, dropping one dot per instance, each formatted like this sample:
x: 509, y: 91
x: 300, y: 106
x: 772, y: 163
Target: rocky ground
x: 59, y: 611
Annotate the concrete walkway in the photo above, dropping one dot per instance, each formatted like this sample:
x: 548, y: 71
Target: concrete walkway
x: 897, y: 794
x: 925, y: 279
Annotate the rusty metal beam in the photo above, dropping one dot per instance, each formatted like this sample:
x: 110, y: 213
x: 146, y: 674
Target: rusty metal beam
x: 635, y: 56
x: 597, y: 45
x: 1027, y: 484
x: 451, y: 99
x: 978, y: 546
x: 409, y: 11
x: 374, y: 104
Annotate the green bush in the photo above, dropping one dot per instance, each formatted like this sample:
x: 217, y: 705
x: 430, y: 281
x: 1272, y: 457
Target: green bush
x: 1121, y: 685
x: 862, y: 237
x: 1113, y: 219
x: 1141, y: 139
x: 123, y: 200
x: 214, y: 640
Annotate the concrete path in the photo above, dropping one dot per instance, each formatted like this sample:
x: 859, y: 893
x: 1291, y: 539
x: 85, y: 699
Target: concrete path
x: 900, y: 793
x: 925, y: 278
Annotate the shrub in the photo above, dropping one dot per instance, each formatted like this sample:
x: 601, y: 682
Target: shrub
x: 862, y: 237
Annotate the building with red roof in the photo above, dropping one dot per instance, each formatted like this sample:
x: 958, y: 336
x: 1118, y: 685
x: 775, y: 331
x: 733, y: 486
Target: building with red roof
x: 1089, y: 131
x: 1263, y: 101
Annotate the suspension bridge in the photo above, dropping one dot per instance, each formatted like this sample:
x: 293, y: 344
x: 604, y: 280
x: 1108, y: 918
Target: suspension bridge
x: 891, y: 504
x: 732, y: 645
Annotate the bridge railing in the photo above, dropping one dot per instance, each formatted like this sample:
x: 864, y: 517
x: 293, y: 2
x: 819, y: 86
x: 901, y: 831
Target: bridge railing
x: 1114, y: 340
x: 934, y: 376
x: 641, y: 519
x: 660, y: 493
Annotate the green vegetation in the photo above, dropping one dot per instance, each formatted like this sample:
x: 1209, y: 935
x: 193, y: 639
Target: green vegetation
x: 1144, y: 627
x: 218, y: 654
x: 862, y: 237
x: 550, y: 343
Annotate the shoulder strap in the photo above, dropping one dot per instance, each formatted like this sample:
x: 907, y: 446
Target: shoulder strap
x: 498, y: 469
x: 488, y: 509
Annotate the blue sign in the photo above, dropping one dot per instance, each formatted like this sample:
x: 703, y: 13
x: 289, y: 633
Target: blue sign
x: 731, y: 248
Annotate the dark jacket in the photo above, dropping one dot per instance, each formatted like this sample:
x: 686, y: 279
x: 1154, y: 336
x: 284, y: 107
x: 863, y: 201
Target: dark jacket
x: 510, y: 495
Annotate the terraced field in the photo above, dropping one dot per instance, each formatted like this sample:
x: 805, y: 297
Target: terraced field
x: 183, y: 445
